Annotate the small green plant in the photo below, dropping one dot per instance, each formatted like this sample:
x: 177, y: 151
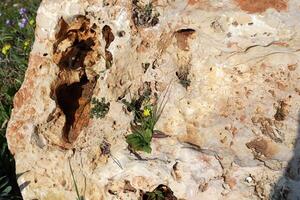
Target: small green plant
x: 155, y: 195
x: 100, y: 108
x: 8, y: 184
x: 79, y: 197
x: 144, y: 122
x: 144, y: 15
x: 183, y: 78
x: 5, y: 188
x: 160, y: 193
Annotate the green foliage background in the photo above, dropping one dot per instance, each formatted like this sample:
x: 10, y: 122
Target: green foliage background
x: 13, y: 64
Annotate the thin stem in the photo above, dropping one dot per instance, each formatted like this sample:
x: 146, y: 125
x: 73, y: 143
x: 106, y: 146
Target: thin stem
x: 74, y: 181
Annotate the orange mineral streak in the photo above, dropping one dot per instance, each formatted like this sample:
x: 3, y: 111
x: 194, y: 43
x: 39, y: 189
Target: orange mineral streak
x: 259, y: 6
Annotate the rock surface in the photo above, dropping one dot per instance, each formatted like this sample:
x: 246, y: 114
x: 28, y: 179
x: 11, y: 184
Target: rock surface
x: 229, y: 69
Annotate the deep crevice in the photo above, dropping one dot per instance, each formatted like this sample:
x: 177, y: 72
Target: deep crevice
x: 75, y: 49
x: 68, y: 97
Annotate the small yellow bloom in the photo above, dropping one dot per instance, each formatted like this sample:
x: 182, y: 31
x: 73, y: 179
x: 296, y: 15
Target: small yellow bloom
x: 31, y: 22
x: 5, y: 49
x: 146, y: 112
x: 26, y: 44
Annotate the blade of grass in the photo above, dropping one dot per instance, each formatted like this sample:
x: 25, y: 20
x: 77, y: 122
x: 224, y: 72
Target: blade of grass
x: 74, y: 181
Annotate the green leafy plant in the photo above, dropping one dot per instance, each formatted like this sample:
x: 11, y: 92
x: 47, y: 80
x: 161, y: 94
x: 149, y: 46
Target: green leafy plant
x: 17, y: 24
x: 140, y: 140
x: 144, y: 122
x: 144, y: 15
x: 5, y: 188
x: 155, y: 195
x: 8, y: 184
x: 100, y: 108
x: 79, y: 197
x: 160, y: 193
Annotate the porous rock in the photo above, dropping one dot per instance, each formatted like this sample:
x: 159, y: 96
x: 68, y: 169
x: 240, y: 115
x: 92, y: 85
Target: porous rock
x: 229, y: 69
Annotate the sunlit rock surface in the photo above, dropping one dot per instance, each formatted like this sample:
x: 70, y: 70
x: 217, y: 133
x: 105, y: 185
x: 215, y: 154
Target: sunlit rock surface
x: 228, y: 68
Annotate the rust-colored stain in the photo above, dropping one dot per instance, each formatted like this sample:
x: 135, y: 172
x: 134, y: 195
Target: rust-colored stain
x: 259, y: 6
x: 230, y: 181
x: 198, y: 2
x: 193, y: 2
x: 262, y: 147
x: 201, y: 4
x: 26, y: 92
x: 182, y: 37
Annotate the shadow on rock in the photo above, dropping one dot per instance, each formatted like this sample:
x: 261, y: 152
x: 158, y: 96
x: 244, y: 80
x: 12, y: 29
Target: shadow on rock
x: 288, y: 186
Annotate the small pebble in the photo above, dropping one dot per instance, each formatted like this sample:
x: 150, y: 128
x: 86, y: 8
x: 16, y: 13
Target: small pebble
x: 249, y: 179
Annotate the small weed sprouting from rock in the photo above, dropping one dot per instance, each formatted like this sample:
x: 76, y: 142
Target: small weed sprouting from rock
x: 160, y: 193
x: 105, y: 151
x: 183, y: 78
x: 105, y: 148
x: 144, y: 15
x: 145, y: 66
x: 79, y: 197
x: 155, y: 195
x: 100, y: 108
x: 146, y: 115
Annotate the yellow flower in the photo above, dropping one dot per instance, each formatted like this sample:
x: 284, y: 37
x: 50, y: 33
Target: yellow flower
x: 5, y: 49
x: 146, y: 112
x: 26, y: 44
x: 31, y: 22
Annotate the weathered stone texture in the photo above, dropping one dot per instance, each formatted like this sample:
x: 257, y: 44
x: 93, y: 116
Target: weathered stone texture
x: 232, y: 69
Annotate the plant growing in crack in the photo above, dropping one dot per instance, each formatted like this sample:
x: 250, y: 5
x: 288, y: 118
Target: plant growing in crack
x: 144, y: 15
x: 100, y: 108
x: 105, y: 150
x: 79, y: 197
x: 144, y: 122
x: 184, y: 80
x: 155, y: 195
x: 160, y: 193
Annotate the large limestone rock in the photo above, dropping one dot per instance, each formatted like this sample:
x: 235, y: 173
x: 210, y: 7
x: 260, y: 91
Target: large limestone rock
x: 228, y: 68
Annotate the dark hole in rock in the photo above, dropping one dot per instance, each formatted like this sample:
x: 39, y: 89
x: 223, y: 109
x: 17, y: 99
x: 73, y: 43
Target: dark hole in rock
x: 76, y: 44
x: 109, y: 38
x: 282, y: 111
x: 74, y: 101
x: 182, y: 37
x: 187, y: 31
x: 76, y: 47
x: 75, y: 56
x: 121, y: 33
x: 161, y: 192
